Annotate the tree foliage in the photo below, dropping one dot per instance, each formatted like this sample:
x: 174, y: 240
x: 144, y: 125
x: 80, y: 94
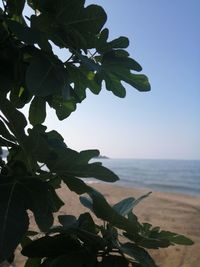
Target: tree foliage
x: 39, y: 160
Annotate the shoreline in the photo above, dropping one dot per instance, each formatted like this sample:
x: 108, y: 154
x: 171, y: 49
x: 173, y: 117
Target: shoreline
x: 125, y: 185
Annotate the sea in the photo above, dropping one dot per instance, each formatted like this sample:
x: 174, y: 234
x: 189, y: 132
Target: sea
x: 177, y: 176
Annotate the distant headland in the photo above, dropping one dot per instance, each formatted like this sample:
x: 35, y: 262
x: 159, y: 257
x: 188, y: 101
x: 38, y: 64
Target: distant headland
x: 101, y: 157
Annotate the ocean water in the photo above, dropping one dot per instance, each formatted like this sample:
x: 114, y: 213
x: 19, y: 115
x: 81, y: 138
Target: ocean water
x: 178, y: 176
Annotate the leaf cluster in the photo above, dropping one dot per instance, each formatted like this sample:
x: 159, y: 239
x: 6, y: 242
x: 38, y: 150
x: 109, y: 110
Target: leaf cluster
x: 39, y: 161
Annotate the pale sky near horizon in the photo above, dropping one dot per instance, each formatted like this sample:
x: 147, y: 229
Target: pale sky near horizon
x: 163, y: 123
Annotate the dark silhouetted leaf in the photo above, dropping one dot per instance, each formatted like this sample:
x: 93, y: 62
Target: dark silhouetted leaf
x: 86, y: 202
x: 93, y: 170
x: 138, y: 254
x: 51, y: 246
x: 13, y: 217
x: 45, y: 76
x: 15, y: 7
x: 5, y: 133
x: 26, y: 34
x: 86, y: 155
x: 91, y: 239
x: 114, y: 261
x: 16, y: 120
x: 42, y: 202
x: 86, y: 223
x: 33, y: 262
x: 121, y: 42
x: 6, y: 143
x: 76, y: 185
x: 67, y: 220
x: 72, y: 260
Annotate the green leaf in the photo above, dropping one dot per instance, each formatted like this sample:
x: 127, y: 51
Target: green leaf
x: 82, y: 79
x: 151, y: 243
x: 138, y: 254
x: 42, y: 204
x: 121, y: 42
x: 105, y: 212
x: 153, y: 237
x: 124, y: 206
x: 20, y: 96
x: 15, y: 7
x: 54, y: 200
x: 86, y: 155
x: 113, y: 84
x: 136, y: 201
x: 6, y: 79
x: 181, y: 240
x: 33, y: 262
x: 95, y: 18
x: 4, y: 142
x: 114, y: 261
x: 93, y: 170
x: 89, y: 63
x: 14, y: 219
x: 62, y: 106
x: 72, y: 25
x: 100, y: 206
x: 70, y: 163
x: 67, y: 220
x: 72, y: 260
x: 37, y: 142
x: 28, y: 35
x: 147, y: 242
x: 16, y: 122
x: 117, y: 61
x: 5, y: 133
x: 37, y: 111
x: 45, y: 76
x: 86, y: 202
x: 139, y: 81
x: 86, y: 222
x: 174, y: 238
x: 116, y: 67
x: 51, y: 246
x: 76, y: 185
x: 91, y: 239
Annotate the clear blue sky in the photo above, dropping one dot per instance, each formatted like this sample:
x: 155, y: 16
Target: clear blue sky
x: 165, y: 122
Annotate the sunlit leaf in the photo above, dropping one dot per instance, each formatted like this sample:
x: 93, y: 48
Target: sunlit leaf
x: 37, y: 111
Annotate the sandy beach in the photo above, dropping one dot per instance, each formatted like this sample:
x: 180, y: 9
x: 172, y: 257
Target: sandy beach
x: 173, y: 212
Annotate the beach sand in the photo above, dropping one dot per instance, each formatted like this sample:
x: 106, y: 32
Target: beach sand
x: 174, y: 212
